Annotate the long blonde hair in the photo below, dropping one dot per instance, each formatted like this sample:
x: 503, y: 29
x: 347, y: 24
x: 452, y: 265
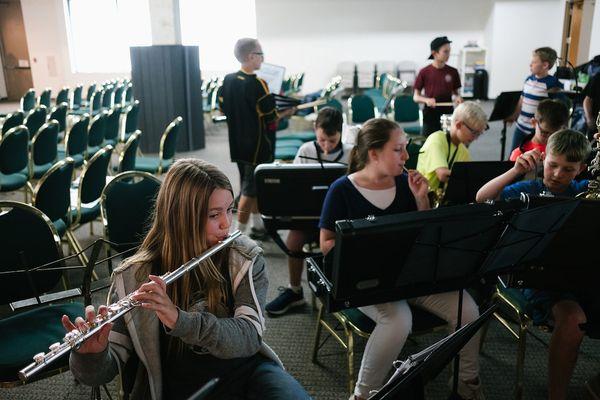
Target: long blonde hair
x: 177, y: 232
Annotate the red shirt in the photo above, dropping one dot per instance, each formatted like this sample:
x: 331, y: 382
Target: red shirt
x: 439, y: 83
x: 529, y: 145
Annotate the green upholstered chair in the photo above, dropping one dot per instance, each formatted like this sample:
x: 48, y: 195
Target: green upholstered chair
x: 304, y: 136
x: 89, y: 188
x: 96, y: 133
x: 126, y: 205
x: 129, y: 93
x: 129, y: 153
x: 76, y: 141
x: 111, y: 128
x: 406, y: 110
x: 44, y: 151
x: 286, y: 153
x: 76, y: 100
x: 108, y: 97
x: 95, y: 104
x: 28, y: 101
x: 44, y: 99
x: 52, y: 194
x: 35, y: 119
x: 166, y: 153
x: 13, y: 119
x: 360, y: 109
x: 90, y: 92
x: 119, y: 95
x: 131, y: 121
x: 14, y: 159
x: 63, y: 96
x: 288, y: 143
x: 29, y: 240
x: 59, y: 113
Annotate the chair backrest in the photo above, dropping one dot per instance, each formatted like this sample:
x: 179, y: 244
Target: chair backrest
x: 168, y: 141
x: 129, y: 93
x: 28, y: 101
x: 35, y: 119
x: 77, y: 96
x: 96, y: 102
x: 128, y: 155
x: 27, y: 239
x: 126, y: 206
x: 91, y: 90
x: 52, y: 193
x: 97, y: 129
x: 12, y: 120
x: 111, y: 129
x: 93, y: 176
x: 361, y: 108
x: 76, y: 140
x: 119, y: 95
x: 44, y: 99
x: 43, y: 144
x: 131, y: 117
x: 334, y: 103
x: 108, y: 96
x: 405, y: 109
x: 59, y: 113
x: 14, y: 156
x: 63, y: 96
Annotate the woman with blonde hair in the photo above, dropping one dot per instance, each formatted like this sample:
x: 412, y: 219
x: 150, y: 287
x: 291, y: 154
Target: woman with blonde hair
x: 207, y: 324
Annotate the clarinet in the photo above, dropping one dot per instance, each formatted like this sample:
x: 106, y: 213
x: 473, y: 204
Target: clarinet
x: 75, y: 338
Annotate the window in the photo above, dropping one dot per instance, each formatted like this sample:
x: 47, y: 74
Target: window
x: 101, y: 32
x: 215, y: 26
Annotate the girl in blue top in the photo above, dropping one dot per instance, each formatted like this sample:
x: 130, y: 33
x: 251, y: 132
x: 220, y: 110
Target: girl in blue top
x: 377, y: 185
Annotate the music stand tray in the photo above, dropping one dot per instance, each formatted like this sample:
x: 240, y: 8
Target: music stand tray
x: 504, y: 107
x: 469, y: 176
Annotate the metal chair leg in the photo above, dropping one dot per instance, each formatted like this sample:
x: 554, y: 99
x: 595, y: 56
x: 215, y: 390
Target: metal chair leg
x: 521, y: 361
x: 350, y: 354
x: 317, y: 335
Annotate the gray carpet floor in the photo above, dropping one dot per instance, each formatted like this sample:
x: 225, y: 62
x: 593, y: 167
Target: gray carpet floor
x: 291, y: 336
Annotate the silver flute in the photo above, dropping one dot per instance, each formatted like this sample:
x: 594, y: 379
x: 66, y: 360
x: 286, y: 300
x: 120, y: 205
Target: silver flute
x: 75, y: 338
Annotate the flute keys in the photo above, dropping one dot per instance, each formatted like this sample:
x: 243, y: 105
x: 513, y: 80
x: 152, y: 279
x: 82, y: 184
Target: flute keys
x: 54, y: 347
x: 39, y: 358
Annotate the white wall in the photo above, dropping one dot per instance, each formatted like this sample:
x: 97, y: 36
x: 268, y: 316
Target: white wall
x: 313, y: 36
x: 515, y: 29
x: 46, y: 31
x: 595, y: 37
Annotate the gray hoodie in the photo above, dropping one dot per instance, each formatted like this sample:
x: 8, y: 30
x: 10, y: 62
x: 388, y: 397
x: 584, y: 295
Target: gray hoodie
x: 223, y: 336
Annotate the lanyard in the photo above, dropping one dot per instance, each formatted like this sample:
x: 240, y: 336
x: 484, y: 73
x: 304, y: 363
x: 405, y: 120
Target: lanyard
x: 319, y: 151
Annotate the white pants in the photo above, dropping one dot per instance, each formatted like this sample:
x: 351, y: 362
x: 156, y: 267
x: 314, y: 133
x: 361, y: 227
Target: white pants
x: 393, y: 325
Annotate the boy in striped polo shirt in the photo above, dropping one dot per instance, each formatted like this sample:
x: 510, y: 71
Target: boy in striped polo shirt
x: 536, y: 88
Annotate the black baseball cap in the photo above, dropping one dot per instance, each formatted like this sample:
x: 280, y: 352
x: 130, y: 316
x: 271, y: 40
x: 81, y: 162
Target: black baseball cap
x: 437, y: 43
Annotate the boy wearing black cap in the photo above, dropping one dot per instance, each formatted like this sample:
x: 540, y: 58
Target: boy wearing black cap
x: 437, y: 83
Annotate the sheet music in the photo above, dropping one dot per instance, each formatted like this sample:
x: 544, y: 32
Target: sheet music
x: 273, y: 75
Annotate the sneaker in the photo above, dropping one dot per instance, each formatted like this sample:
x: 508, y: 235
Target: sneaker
x: 592, y: 388
x: 287, y: 299
x: 259, y: 234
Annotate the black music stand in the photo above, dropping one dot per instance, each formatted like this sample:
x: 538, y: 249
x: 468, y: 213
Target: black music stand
x: 290, y: 196
x: 469, y: 176
x: 543, y: 238
x: 504, y: 107
x: 411, y: 375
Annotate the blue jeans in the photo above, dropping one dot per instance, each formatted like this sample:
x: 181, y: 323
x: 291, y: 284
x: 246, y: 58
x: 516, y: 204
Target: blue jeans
x: 518, y: 137
x: 266, y: 380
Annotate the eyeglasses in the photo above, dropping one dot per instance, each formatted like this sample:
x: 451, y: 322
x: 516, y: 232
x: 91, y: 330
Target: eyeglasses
x: 258, y: 53
x: 473, y: 131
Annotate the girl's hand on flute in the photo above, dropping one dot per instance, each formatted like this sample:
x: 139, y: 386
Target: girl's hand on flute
x: 153, y: 296
x: 96, y: 343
